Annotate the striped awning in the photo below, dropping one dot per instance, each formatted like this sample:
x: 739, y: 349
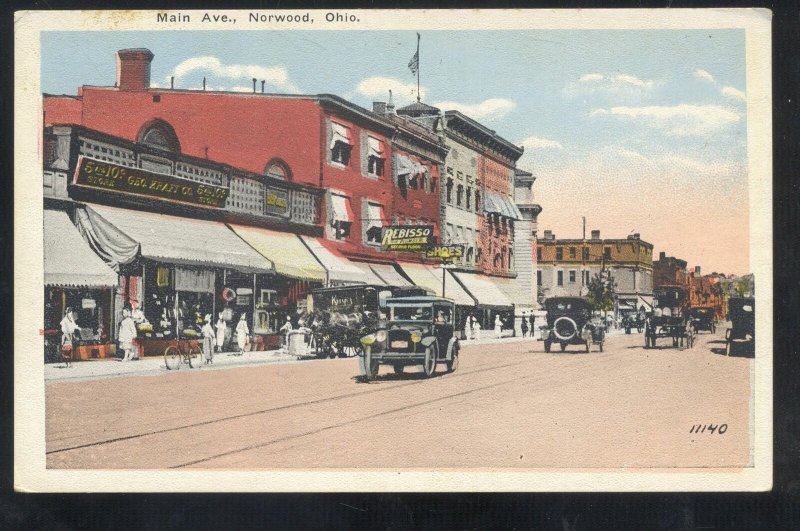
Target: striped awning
x: 389, y: 275
x: 499, y: 204
x: 340, y: 270
x: 430, y: 277
x: 68, y: 259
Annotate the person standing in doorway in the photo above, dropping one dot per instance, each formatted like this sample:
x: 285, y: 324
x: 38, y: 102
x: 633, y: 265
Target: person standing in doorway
x: 220, y: 326
x: 127, y: 335
x: 208, y: 339
x: 242, y: 333
x: 524, y: 325
x: 468, y: 327
x: 498, y: 327
x: 69, y: 328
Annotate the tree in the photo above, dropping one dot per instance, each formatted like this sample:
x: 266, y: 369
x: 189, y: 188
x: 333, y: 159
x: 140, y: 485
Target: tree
x: 601, y: 293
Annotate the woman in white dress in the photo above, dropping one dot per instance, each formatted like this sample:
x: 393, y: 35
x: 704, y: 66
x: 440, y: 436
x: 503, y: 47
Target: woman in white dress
x: 468, y: 328
x: 242, y: 333
x: 498, y: 327
x: 208, y: 339
x: 220, y: 326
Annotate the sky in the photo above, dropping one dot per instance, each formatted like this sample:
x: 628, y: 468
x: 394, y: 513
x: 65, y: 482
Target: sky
x: 637, y: 130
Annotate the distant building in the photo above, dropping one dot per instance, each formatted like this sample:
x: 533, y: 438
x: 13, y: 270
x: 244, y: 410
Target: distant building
x: 566, y: 266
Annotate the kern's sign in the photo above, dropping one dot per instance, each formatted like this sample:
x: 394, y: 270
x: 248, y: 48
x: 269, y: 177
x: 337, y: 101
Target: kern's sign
x: 134, y: 181
x: 407, y: 238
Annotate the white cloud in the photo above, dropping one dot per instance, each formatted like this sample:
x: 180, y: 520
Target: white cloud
x: 678, y: 120
x: 276, y: 76
x: 705, y: 75
x: 617, y: 85
x: 535, y: 142
x: 491, y: 108
x: 734, y: 93
x: 379, y: 87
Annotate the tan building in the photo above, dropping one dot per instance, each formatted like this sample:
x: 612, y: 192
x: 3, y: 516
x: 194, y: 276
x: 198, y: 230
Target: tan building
x: 565, y: 267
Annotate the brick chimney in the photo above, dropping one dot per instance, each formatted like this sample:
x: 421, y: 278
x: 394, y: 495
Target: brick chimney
x: 133, y: 69
x: 662, y: 255
x: 548, y: 235
x: 697, y: 270
x: 595, y: 234
x: 379, y: 107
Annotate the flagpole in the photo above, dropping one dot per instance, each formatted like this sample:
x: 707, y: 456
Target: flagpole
x: 418, y: 37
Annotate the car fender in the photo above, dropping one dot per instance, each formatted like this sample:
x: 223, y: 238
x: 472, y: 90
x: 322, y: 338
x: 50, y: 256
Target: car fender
x: 450, y: 346
x: 427, y: 341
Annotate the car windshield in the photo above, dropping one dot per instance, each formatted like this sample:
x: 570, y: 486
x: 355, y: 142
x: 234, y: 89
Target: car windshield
x: 411, y: 313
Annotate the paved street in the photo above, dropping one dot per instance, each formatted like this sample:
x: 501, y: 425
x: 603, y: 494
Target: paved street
x: 509, y: 405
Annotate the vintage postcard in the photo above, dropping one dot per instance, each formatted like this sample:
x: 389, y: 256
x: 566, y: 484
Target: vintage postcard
x: 393, y: 250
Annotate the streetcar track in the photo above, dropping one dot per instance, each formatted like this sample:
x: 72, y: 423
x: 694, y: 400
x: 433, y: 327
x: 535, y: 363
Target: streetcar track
x: 274, y: 409
x: 347, y: 423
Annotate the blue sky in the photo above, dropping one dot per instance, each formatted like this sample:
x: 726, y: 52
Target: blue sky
x: 638, y: 130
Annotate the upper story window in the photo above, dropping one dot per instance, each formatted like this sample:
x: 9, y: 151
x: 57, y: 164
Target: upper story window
x: 559, y: 253
x: 572, y: 253
x: 341, y: 144
x: 459, y: 194
x: 374, y: 221
x: 160, y: 135
x: 277, y: 169
x: 376, y: 157
x: 585, y: 253
x: 341, y: 216
x: 607, y: 252
x: 450, y: 190
x: 477, y: 201
x: 538, y: 253
x: 469, y: 197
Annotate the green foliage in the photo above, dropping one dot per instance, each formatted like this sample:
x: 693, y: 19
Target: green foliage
x: 601, y: 293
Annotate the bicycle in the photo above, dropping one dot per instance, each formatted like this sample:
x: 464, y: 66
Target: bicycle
x: 181, y: 352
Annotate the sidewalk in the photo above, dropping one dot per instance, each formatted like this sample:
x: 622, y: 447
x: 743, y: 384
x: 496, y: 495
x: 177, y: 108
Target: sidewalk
x: 109, y: 368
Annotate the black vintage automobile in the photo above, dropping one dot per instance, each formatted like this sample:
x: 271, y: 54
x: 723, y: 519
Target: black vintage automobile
x: 703, y: 319
x: 419, y: 331
x: 570, y: 322
x: 742, y: 333
x: 341, y: 316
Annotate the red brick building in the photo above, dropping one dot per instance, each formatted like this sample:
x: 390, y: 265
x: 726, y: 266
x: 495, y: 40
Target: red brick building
x: 319, y: 140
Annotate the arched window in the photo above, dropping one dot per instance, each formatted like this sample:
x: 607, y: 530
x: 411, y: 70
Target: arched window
x: 278, y: 169
x: 160, y: 135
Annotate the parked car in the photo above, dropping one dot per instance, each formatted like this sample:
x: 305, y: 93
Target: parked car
x: 742, y: 333
x: 703, y: 319
x: 570, y: 322
x: 419, y: 331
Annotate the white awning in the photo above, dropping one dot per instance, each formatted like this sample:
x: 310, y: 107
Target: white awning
x: 430, y: 277
x: 516, y: 292
x: 178, y: 240
x: 340, y: 208
x: 68, y: 259
x: 340, y: 270
x: 483, y: 289
x: 375, y: 217
x: 389, y: 275
x: 500, y: 204
x: 340, y: 133
x: 285, y: 250
x: 375, y: 147
x: 367, y: 275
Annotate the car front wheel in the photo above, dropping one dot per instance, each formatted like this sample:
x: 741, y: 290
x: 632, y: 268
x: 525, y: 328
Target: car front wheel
x: 429, y: 365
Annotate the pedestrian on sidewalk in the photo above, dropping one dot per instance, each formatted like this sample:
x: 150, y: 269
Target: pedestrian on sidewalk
x: 220, y: 326
x: 242, y: 333
x: 208, y: 339
x: 476, y: 329
x: 533, y: 328
x: 127, y: 335
x: 69, y: 327
x: 468, y: 327
x: 285, y: 329
x: 524, y: 325
x: 498, y: 327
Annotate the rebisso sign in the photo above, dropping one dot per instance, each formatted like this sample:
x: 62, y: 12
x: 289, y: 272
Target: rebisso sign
x: 407, y: 238
x: 112, y: 177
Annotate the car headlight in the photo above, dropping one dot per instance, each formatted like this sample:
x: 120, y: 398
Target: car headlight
x: 380, y: 336
x: 368, y: 340
x: 416, y: 337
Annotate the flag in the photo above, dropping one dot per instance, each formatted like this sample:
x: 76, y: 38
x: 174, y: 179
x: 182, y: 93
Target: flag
x: 413, y: 64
